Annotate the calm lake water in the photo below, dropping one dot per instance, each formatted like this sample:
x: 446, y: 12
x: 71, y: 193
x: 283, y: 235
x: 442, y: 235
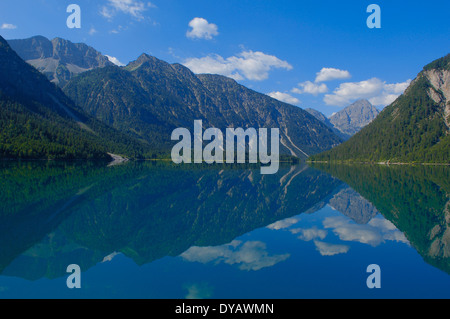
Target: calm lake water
x: 155, y: 230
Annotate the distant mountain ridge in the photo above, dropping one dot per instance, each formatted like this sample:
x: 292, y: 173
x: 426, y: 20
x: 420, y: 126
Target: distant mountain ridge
x: 58, y: 59
x: 349, y: 120
x: 149, y: 98
x: 414, y: 128
x: 354, y: 117
x: 38, y: 121
x: 320, y: 116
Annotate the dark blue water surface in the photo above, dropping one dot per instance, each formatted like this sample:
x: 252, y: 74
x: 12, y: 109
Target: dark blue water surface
x: 155, y: 230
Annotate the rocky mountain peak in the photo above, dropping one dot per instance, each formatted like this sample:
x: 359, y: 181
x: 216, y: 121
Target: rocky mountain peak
x: 147, y: 61
x: 354, y: 117
x: 58, y: 59
x: 414, y: 128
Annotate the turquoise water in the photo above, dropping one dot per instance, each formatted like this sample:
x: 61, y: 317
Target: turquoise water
x: 154, y: 230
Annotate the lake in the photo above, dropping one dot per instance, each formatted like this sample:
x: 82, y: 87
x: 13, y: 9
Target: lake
x: 157, y: 230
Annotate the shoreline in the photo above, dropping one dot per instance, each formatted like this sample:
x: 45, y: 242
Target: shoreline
x: 120, y: 159
x: 377, y: 163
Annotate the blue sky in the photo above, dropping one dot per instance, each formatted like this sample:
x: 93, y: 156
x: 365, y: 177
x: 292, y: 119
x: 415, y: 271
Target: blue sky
x: 317, y: 54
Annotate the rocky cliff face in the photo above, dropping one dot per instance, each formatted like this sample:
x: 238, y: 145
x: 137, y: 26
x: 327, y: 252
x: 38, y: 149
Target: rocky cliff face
x: 58, y: 59
x: 439, y: 91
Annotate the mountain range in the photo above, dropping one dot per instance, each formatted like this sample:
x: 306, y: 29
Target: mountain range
x: 58, y: 59
x: 95, y: 108
x: 349, y: 120
x: 414, y: 128
x: 38, y: 121
x: 147, y: 99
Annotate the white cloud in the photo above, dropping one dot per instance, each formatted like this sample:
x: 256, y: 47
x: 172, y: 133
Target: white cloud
x: 373, y: 233
x: 246, y: 65
x: 8, y: 26
x: 284, y: 223
x: 383, y: 99
x: 390, y: 93
x: 329, y: 74
x: 215, y: 65
x: 284, y: 97
x: 327, y: 249
x: 397, y: 88
x: 349, y: 91
x: 107, y: 12
x: 251, y: 255
x: 92, y: 31
x: 309, y: 234
x: 388, y: 229
x: 134, y: 8
x: 310, y: 88
x: 202, y: 29
x: 375, y: 90
x: 114, y: 60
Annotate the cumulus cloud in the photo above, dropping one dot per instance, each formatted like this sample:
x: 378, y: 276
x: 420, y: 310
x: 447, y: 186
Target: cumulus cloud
x: 284, y: 223
x: 354, y: 90
x: 310, y: 88
x: 134, y: 8
x: 376, y: 91
x: 201, y: 29
x: 388, y: 230
x: 251, y: 255
x: 114, y: 60
x: 327, y: 249
x: 249, y: 65
x: 309, y: 234
x: 390, y: 93
x: 284, y: 97
x: 329, y: 74
x: 8, y: 26
x: 373, y: 233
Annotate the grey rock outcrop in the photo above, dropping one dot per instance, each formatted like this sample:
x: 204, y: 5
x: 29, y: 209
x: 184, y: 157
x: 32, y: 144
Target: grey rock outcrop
x: 59, y: 59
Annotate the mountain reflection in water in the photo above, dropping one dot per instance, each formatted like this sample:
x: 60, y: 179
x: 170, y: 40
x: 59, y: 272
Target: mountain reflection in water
x: 53, y: 214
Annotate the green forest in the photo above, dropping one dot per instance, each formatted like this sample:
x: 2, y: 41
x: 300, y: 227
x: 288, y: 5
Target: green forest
x: 412, y: 129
